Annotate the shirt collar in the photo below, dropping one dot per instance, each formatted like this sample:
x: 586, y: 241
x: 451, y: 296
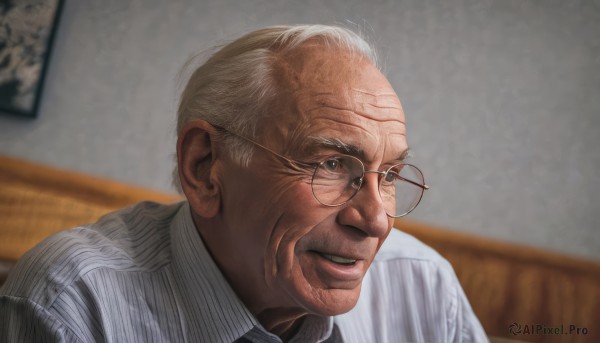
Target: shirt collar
x: 313, y: 329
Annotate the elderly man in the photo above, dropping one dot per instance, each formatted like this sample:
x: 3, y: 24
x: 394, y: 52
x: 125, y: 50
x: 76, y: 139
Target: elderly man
x: 291, y: 154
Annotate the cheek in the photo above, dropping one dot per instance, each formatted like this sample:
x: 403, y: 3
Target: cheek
x: 257, y: 198
x: 300, y: 213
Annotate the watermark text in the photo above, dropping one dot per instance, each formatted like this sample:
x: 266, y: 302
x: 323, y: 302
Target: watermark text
x: 547, y: 330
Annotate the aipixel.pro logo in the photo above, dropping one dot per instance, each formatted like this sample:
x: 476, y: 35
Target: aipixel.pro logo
x: 539, y: 329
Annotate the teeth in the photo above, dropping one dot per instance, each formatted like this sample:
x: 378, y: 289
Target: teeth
x: 339, y: 259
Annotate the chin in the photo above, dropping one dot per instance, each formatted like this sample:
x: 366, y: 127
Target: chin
x: 330, y: 302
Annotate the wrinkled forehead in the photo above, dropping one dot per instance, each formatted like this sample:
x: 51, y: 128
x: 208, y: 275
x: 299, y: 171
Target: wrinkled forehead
x: 315, y: 68
x: 337, y: 95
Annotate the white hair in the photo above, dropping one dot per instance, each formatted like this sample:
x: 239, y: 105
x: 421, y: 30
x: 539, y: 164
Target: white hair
x: 234, y: 88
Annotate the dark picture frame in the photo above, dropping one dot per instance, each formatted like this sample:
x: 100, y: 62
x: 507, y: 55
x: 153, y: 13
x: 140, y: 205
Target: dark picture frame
x: 27, y: 30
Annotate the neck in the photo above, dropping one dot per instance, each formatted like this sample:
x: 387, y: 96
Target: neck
x: 261, y: 300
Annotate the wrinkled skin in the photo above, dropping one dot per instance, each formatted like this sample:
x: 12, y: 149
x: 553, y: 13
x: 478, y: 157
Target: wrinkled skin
x: 268, y: 233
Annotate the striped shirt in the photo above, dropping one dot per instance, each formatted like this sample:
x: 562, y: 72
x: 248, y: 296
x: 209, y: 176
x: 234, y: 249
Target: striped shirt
x: 143, y: 274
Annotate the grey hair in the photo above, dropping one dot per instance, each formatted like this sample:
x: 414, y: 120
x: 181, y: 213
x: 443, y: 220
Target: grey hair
x: 235, y: 87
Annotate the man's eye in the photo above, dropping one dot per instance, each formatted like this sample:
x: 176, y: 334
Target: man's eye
x: 391, y: 176
x: 356, y: 183
x: 332, y: 165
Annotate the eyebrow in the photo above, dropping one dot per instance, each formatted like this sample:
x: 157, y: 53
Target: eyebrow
x: 319, y: 142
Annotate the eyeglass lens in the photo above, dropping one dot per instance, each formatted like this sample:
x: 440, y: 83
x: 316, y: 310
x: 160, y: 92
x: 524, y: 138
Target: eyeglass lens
x: 337, y: 179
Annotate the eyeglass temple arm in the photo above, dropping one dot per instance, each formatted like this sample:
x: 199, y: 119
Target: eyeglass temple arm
x: 295, y: 164
x: 424, y: 187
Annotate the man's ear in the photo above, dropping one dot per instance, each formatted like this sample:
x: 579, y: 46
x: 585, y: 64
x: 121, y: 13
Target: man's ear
x: 196, y: 156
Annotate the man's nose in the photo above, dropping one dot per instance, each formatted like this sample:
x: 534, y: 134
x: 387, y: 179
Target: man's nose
x: 366, y: 211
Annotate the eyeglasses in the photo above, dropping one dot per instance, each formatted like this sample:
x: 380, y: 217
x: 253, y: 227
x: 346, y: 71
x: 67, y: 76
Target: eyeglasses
x: 338, y: 178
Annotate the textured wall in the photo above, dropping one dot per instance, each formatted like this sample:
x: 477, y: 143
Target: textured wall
x: 502, y: 100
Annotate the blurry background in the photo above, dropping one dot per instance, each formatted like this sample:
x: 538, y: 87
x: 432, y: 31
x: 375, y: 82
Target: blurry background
x: 502, y: 100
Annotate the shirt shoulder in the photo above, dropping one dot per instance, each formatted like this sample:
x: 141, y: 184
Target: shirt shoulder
x: 134, y: 238
x: 402, y: 246
x: 410, y: 293
x: 403, y: 260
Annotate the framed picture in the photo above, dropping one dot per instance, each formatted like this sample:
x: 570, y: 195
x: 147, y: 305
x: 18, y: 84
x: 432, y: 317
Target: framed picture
x: 27, y: 29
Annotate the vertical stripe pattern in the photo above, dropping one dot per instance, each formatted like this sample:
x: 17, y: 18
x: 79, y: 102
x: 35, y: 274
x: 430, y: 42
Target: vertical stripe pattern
x: 143, y: 274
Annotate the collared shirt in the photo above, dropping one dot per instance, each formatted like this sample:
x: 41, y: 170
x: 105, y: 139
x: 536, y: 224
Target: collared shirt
x: 143, y: 274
